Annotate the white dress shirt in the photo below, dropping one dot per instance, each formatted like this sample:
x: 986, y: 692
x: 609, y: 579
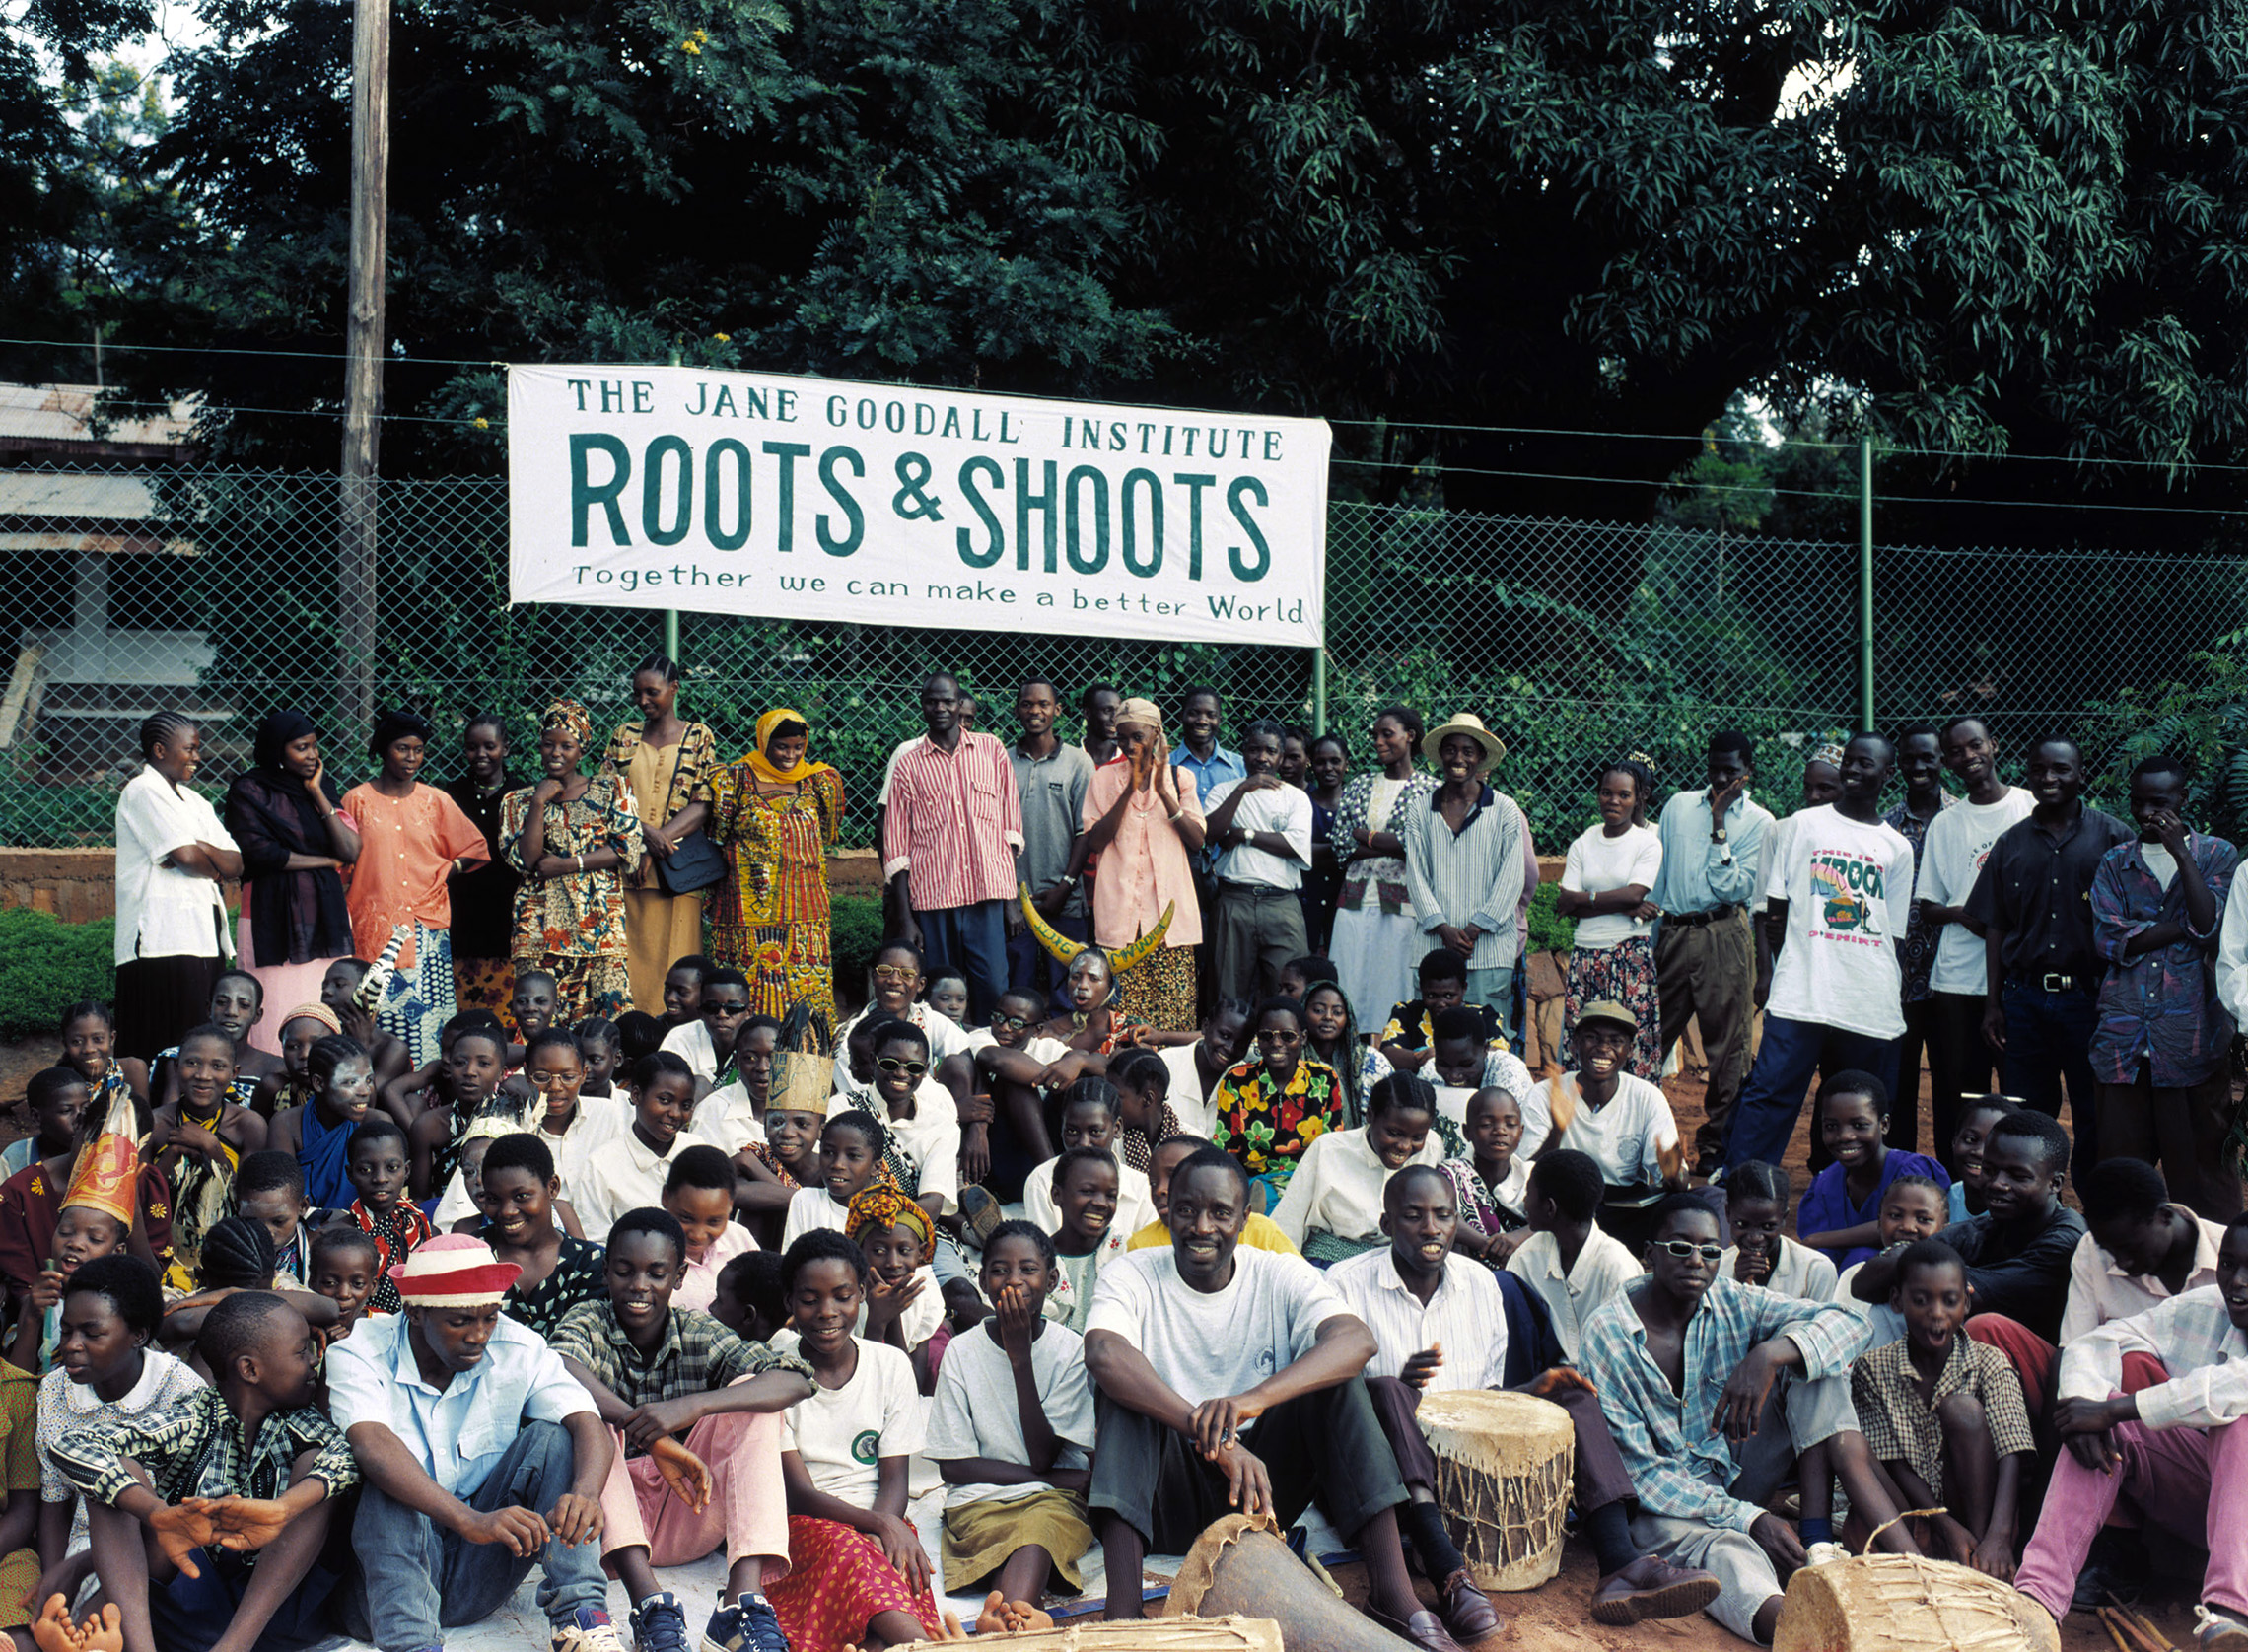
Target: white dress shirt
x: 457, y: 1434
x: 1603, y: 1268
x: 1281, y: 810
x: 162, y: 911
x: 1336, y: 1186
x: 2196, y: 1341
x: 1797, y: 1271
x: 622, y: 1174
x: 2099, y: 1290
x: 1466, y: 1314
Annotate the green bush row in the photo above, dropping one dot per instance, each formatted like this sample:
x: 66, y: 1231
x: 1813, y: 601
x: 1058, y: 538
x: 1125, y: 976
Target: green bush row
x: 47, y: 965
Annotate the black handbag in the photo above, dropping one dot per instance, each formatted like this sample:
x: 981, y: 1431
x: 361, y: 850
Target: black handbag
x: 694, y: 864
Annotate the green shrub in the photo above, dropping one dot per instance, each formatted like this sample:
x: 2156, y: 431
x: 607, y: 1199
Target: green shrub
x: 857, y: 927
x: 1549, y: 931
x: 47, y: 965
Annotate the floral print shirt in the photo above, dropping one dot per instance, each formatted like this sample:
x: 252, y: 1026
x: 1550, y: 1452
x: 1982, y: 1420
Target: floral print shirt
x: 1267, y: 1127
x: 579, y: 914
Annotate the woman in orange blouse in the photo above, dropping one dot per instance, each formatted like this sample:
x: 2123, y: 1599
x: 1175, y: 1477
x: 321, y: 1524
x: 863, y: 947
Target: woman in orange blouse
x: 412, y: 837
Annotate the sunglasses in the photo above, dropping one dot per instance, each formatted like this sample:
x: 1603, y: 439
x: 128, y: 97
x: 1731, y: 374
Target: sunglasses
x: 890, y: 975
x: 1683, y: 1248
x: 912, y: 1069
x: 1011, y: 1023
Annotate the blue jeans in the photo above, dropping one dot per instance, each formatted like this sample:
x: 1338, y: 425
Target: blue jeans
x: 189, y: 1613
x: 1792, y: 1055
x: 2049, y: 1046
x: 972, y: 939
x: 431, y: 1578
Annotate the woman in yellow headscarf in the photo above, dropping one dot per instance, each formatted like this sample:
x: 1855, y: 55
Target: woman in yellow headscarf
x: 775, y: 813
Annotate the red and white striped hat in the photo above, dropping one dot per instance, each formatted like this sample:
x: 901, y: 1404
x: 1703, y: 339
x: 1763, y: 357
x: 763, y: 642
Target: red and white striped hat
x: 453, y: 1271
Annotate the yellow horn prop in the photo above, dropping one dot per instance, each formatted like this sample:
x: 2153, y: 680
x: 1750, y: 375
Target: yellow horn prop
x: 1062, y: 948
x: 1128, y: 957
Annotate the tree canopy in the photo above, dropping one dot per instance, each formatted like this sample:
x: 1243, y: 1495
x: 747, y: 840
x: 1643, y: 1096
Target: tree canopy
x: 1983, y: 226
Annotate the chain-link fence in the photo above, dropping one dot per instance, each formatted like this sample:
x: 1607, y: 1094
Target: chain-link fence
x: 220, y: 591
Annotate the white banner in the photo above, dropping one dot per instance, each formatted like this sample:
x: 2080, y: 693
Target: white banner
x: 751, y: 493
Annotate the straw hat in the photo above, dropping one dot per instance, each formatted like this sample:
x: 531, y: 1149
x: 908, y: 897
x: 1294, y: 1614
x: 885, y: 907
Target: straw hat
x: 1468, y: 724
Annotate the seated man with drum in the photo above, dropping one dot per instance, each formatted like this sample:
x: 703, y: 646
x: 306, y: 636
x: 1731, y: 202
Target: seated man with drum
x: 1420, y: 1300
x: 1228, y: 1381
x: 1712, y: 1388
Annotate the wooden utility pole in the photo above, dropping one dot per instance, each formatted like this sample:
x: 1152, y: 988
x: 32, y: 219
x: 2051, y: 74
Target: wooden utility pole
x: 364, y: 346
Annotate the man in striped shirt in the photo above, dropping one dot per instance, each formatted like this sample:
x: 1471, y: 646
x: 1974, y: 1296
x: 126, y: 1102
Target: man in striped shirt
x: 949, y: 837
x: 1464, y: 865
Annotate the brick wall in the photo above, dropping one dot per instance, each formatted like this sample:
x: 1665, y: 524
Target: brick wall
x: 75, y: 884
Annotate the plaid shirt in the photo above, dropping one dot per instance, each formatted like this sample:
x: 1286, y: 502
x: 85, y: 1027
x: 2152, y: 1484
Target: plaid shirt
x: 2160, y: 1007
x: 194, y: 1448
x: 1679, y: 1463
x: 1901, y: 1428
x: 2193, y: 1336
x: 697, y: 1355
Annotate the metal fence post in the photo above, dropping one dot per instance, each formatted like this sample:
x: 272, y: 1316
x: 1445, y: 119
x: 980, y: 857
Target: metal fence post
x: 1866, y: 580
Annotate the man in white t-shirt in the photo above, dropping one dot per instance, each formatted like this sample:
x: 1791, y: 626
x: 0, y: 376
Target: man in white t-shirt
x: 1837, y: 986
x: 1618, y: 1120
x: 1230, y: 1381
x: 1958, y: 841
x: 1261, y: 830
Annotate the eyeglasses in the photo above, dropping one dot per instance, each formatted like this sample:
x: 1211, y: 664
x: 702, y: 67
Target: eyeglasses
x: 1009, y: 1023
x: 1683, y: 1248
x: 890, y: 975
x: 890, y: 1063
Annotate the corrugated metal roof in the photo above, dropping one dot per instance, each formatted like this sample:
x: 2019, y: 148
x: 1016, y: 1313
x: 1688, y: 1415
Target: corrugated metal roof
x: 65, y: 413
x: 90, y: 496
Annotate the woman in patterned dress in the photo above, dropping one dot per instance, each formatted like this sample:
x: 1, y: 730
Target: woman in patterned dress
x: 1377, y: 942
x: 571, y: 838
x: 775, y: 813
x: 663, y: 760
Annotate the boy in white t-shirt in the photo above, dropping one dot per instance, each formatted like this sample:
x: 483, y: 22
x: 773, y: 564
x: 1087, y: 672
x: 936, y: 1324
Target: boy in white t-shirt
x: 1622, y: 1123
x: 1837, y: 984
x: 1090, y: 1119
x: 1175, y: 1337
x: 1572, y: 1266
x: 1959, y: 841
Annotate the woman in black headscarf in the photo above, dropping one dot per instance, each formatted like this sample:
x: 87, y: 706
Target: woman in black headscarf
x: 295, y: 840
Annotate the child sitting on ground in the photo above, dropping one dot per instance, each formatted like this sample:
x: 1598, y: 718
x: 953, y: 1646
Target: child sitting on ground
x: 1332, y: 1208
x: 200, y: 1133
x: 89, y: 1031
x: 341, y: 1084
x: 1257, y: 1231
x: 382, y: 1209
x: 856, y: 1565
x: 268, y: 1460
x: 56, y: 1097
x: 699, y: 1194
x: 300, y: 1029
x: 269, y: 1190
x: 339, y: 996
x: 1091, y: 1111
x: 521, y: 1206
x: 1573, y: 1263
x: 237, y: 1257
x: 690, y: 1404
x: 1841, y: 1207
x: 1977, y: 1119
x: 1085, y: 1234
x: 476, y: 1082
x: 750, y: 1302
x: 851, y: 1148
x: 345, y: 1270
x: 1144, y: 1114
x: 1944, y: 1416
x: 82, y: 1232
x: 238, y: 1005
x: 1492, y: 1179
x: 627, y: 1172
x: 1010, y: 1433
x: 1911, y: 1209
x: 905, y: 1309
x: 1756, y: 1209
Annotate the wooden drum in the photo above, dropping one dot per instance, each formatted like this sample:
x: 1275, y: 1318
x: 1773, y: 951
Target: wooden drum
x: 1902, y: 1603
x: 1152, y: 1634
x: 1503, y: 1469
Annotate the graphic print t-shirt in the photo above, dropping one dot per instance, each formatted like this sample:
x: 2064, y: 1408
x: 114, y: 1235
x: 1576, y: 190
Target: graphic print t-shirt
x: 1849, y: 888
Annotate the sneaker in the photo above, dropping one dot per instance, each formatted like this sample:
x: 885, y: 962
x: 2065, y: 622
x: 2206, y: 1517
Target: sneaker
x: 2220, y: 1629
x: 748, y: 1625
x: 1824, y: 1554
x: 660, y: 1624
x: 980, y: 1214
x: 589, y: 1631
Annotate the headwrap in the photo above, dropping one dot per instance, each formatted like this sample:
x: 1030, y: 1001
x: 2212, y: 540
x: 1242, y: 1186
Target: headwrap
x: 569, y: 717
x: 320, y: 1012
x: 275, y: 733
x: 453, y: 1271
x: 1830, y: 754
x: 880, y: 1208
x: 771, y: 725
x: 1144, y: 713
x: 396, y: 725
x: 108, y: 1164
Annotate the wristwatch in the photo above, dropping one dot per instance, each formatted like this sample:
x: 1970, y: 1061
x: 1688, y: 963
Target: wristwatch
x: 1717, y: 834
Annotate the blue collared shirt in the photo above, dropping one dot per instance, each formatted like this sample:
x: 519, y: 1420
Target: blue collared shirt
x: 1219, y: 768
x: 456, y: 1434
x: 1694, y: 875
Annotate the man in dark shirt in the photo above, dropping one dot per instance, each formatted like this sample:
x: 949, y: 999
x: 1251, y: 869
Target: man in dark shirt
x: 2019, y: 1250
x: 2033, y: 904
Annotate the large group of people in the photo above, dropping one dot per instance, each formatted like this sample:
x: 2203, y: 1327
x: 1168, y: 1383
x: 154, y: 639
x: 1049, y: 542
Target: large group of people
x: 509, y: 1190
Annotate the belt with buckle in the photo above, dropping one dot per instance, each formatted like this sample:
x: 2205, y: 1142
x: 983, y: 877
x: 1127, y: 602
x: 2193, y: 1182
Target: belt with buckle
x: 1695, y: 920
x: 2050, y: 982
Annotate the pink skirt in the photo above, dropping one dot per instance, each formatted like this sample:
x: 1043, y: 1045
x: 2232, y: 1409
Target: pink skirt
x: 286, y: 986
